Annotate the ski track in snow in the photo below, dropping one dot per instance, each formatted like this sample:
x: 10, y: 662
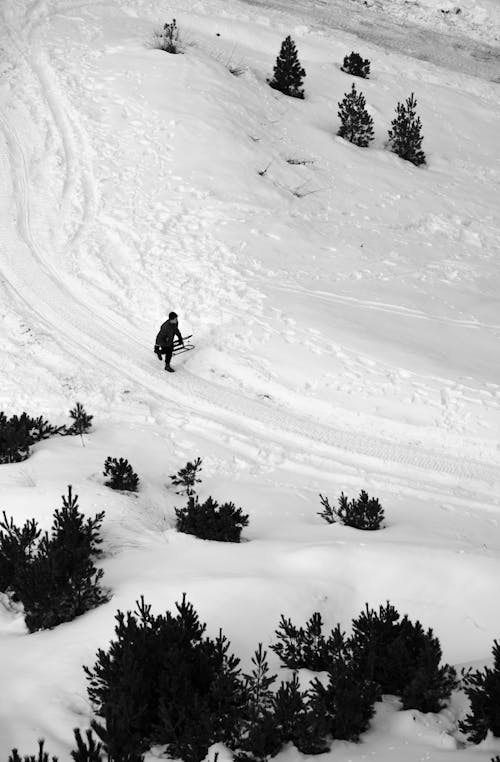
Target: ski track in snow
x: 70, y: 319
x: 100, y: 341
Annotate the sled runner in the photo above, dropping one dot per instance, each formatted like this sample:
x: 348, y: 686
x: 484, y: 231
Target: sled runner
x: 179, y: 348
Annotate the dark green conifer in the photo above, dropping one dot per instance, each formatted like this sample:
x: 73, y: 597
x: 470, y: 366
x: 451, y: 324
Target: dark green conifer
x: 356, y: 123
x: 404, y: 138
x: 288, y: 73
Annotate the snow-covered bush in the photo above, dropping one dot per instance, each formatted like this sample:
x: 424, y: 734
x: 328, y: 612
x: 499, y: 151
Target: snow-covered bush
x: 53, y: 577
x: 401, y: 658
x: 363, y: 513
x: 356, y: 124
x: 356, y: 65
x: 19, y: 433
x: 211, y: 521
x: 187, y: 477
x: 122, y: 474
x: 405, y: 139
x: 163, y: 681
x: 483, y: 691
x: 288, y: 73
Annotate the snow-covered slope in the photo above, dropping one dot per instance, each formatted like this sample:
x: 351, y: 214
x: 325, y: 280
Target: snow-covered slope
x: 344, y: 306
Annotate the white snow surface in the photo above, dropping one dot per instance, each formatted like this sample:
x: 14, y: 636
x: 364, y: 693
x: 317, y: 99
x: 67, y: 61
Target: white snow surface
x: 344, y: 305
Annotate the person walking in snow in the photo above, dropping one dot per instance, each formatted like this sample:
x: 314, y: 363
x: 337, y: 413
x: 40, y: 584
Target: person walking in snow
x: 164, y: 342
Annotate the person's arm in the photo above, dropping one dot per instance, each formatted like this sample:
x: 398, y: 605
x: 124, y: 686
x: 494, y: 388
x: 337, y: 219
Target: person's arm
x: 178, y: 333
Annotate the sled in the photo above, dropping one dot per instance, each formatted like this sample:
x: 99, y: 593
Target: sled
x: 179, y: 348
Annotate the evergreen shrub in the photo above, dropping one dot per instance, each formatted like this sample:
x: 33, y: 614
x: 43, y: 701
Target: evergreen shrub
x: 363, y: 513
x: 19, y: 433
x: 307, y: 648
x: 269, y: 720
x: 211, y: 521
x: 401, y: 658
x: 164, y: 681
x: 187, y: 477
x: 53, y: 577
x: 297, y: 720
x: 482, y: 688
x: 16, y: 550
x: 404, y: 137
x: 344, y: 706
x: 86, y: 751
x: 288, y: 72
x: 340, y: 709
x: 355, y: 65
x: 257, y: 737
x: 41, y: 756
x: 356, y: 124
x: 121, y: 473
x: 82, y: 421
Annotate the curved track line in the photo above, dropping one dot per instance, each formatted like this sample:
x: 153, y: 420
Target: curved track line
x: 393, y: 309
x: 100, y: 341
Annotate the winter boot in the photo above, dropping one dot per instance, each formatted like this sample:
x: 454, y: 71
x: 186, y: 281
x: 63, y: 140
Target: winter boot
x: 169, y: 368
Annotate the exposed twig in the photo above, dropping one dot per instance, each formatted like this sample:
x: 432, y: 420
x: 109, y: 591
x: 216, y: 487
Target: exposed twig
x: 262, y: 172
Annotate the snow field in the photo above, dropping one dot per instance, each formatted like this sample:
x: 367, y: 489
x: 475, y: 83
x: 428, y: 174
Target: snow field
x: 345, y: 315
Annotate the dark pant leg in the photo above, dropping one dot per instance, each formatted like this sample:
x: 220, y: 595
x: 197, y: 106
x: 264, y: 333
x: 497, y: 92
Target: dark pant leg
x: 167, y: 351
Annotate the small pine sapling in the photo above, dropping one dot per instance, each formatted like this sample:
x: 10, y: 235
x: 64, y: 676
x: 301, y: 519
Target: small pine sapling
x: 355, y: 65
x: 294, y: 721
x: 257, y: 736
x: 356, y: 123
x: 288, y: 73
x: 307, y: 648
x: 211, y: 521
x: 187, y: 477
x: 343, y: 707
x: 58, y: 581
x: 16, y: 549
x: 259, y: 696
x: 122, y: 474
x: 82, y: 421
x: 405, y: 138
x: 42, y: 755
x: 364, y: 513
x: 482, y: 688
x: 167, y: 39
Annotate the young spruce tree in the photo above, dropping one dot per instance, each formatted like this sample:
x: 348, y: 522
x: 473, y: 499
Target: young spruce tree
x: 482, y: 688
x: 404, y: 138
x: 356, y: 123
x: 288, y: 73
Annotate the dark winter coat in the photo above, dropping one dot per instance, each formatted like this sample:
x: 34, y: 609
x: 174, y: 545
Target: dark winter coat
x: 166, y: 334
